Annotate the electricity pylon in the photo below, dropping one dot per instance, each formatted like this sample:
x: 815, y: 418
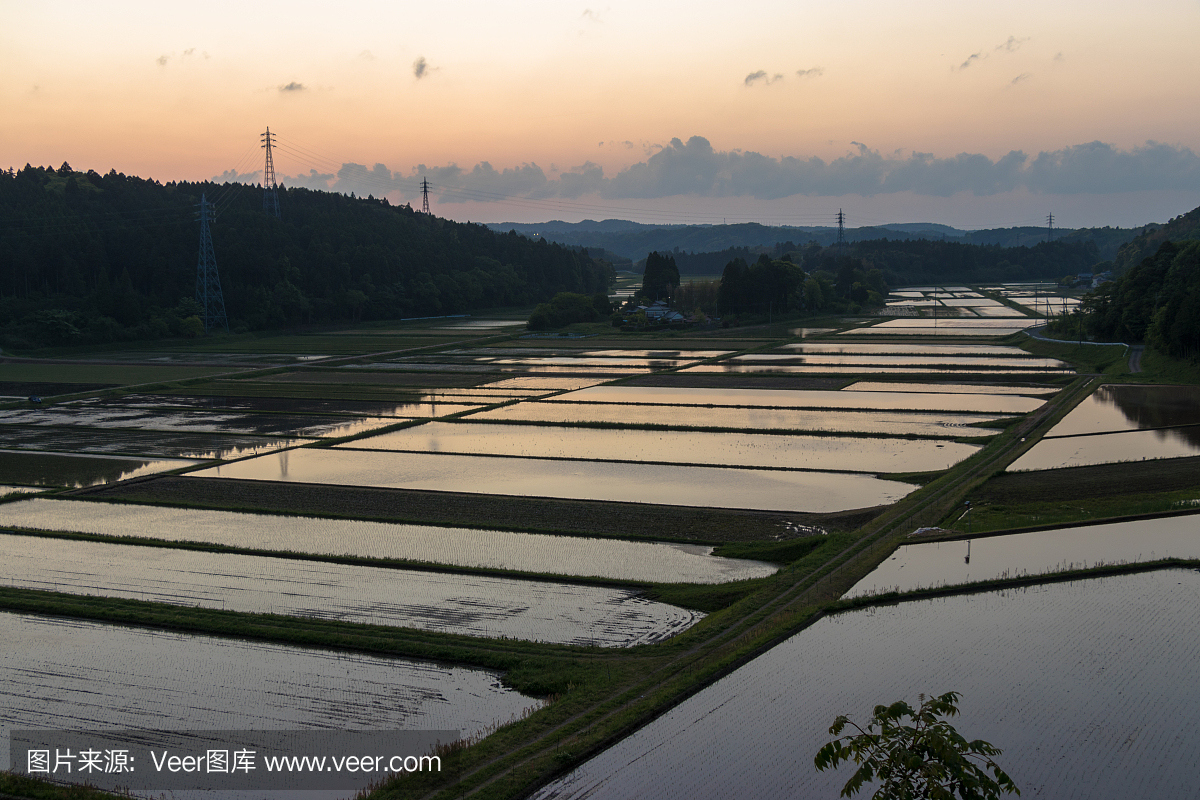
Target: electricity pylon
x: 270, y: 190
x: 208, y: 283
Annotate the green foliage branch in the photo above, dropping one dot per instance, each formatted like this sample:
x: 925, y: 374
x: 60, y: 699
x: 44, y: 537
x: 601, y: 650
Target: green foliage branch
x: 925, y: 758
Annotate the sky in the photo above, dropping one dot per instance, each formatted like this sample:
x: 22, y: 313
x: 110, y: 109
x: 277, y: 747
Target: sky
x: 975, y: 115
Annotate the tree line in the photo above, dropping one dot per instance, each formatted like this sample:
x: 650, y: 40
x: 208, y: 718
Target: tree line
x: 87, y: 258
x: 1157, y: 301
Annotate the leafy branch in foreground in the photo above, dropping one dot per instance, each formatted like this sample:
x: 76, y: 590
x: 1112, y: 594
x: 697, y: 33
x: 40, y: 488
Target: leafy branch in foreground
x: 925, y: 759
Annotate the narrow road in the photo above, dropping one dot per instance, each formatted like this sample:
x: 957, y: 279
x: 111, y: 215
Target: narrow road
x: 1135, y: 357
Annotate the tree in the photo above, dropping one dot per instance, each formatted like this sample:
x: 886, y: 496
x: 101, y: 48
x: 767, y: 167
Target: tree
x: 925, y: 759
x: 660, y: 277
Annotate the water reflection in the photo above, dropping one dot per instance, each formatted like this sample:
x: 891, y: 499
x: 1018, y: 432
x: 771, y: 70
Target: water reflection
x: 464, y: 547
x: 1129, y: 407
x: 931, y: 564
x: 848, y: 453
x: 706, y: 487
x: 477, y: 605
x: 1106, y: 448
x: 1089, y: 687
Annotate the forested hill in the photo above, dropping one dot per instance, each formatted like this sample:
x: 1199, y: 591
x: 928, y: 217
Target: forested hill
x: 634, y: 240
x: 1181, y: 228
x: 1156, y: 301
x: 89, y: 258
x: 924, y: 261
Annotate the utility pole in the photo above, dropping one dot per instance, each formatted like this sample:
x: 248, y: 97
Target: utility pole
x: 270, y: 190
x: 424, y: 196
x: 208, y: 283
x: 1049, y: 227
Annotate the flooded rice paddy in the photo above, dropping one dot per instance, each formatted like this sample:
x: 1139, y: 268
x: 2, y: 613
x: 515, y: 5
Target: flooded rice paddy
x: 546, y: 384
x: 1109, y: 448
x: 9, y: 489
x: 1089, y: 688
x: 905, y: 348
x: 72, y: 470
x: 841, y: 453
x: 710, y: 487
x: 465, y: 547
x: 799, y: 369
x: 75, y: 675
x: 948, y: 361
x: 142, y: 443
x: 539, y: 611
x: 948, y: 388
x: 895, y: 423
x: 932, y: 564
x: 1130, y: 407
x: 422, y: 406
x: 804, y: 398
x: 196, y: 421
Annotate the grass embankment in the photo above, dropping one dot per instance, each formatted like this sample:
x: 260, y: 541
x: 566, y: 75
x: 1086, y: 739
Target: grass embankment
x: 1110, y: 360
x: 1018, y: 500
x: 13, y: 785
x: 105, y: 374
x: 1160, y: 368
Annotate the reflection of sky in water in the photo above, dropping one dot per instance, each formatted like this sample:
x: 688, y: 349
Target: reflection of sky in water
x: 1089, y: 688
x: 888, y: 422
x: 952, y: 388
x: 419, y: 404
x: 582, y: 480
x: 74, y: 675
x: 868, y: 368
x: 949, y: 361
x: 476, y: 605
x: 915, y: 566
x: 905, y: 348
x: 678, y: 447
x: 1109, y: 448
x: 237, y: 422
x: 802, y: 398
x: 77, y: 471
x: 465, y: 547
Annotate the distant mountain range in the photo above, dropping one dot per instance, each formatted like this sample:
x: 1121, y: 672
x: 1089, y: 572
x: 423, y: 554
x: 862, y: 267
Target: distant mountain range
x: 633, y: 240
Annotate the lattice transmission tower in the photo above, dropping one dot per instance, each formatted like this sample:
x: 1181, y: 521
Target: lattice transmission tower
x: 270, y: 189
x: 841, y: 239
x: 1049, y: 227
x: 208, y: 283
x: 424, y: 196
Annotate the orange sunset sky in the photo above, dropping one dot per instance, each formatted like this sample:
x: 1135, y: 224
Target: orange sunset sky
x: 971, y: 114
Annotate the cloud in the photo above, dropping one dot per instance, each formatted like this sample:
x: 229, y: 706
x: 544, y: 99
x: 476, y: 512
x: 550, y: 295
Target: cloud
x: 1059, y: 57
x: 761, y: 75
x: 161, y: 60
x: 1012, y: 44
x: 293, y: 87
x: 695, y: 168
x: 592, y: 15
x: 233, y: 176
x: 1024, y: 76
x: 189, y: 51
x: 815, y: 72
x: 971, y: 59
x: 421, y: 68
x: 367, y: 55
